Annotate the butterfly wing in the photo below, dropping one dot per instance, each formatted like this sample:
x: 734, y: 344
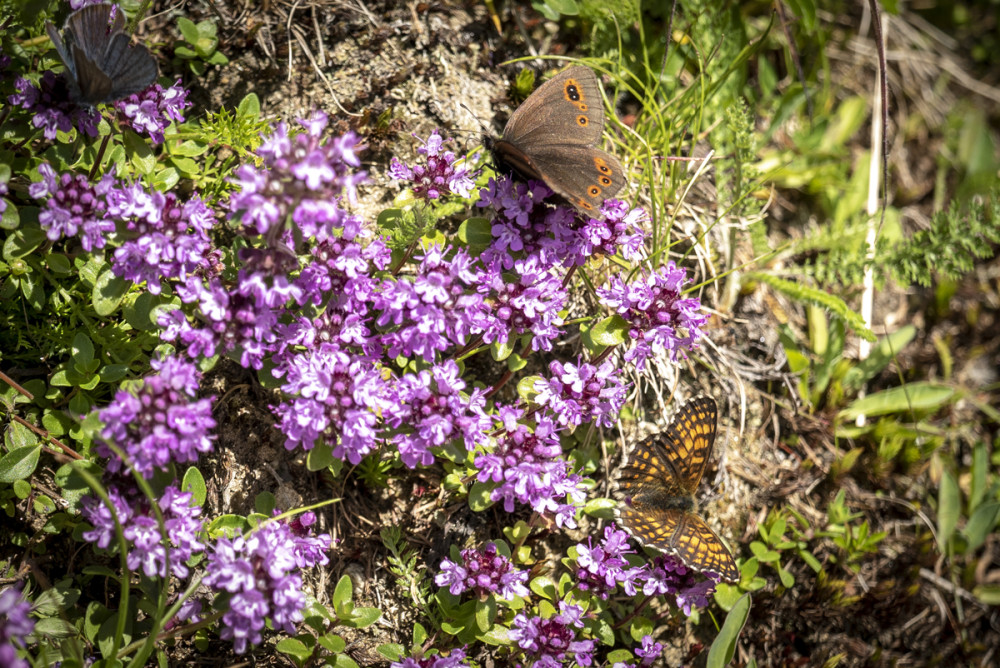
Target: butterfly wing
x: 91, y: 28
x: 132, y: 69
x: 597, y: 175
x: 92, y: 84
x: 560, y: 101
x: 61, y: 49
x: 688, y: 441
x: 684, y: 535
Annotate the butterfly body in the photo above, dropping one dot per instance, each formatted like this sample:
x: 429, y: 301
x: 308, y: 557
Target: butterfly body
x: 656, y: 487
x: 101, y: 64
x: 553, y: 136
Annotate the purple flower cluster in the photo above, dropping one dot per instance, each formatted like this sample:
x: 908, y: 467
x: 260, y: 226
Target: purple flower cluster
x: 659, y: 319
x: 430, y: 410
x: 441, y: 176
x: 168, y: 238
x: 548, y: 642
x: 580, y: 393
x: 601, y: 568
x: 525, y: 225
x: 14, y: 626
x: 336, y: 396
x: 433, y: 312
x: 147, y: 548
x: 162, y: 423
x: 483, y: 572
x: 455, y: 659
x: 301, y: 181
x: 649, y: 651
x: 259, y: 575
x: 618, y: 230
x: 74, y: 206
x: 530, y: 468
x: 669, y: 576
x: 53, y: 109
x: 151, y: 111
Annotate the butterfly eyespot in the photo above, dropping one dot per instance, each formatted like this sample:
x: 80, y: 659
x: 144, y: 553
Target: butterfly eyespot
x: 572, y: 91
x: 582, y: 120
x: 584, y: 204
x: 605, y: 181
x: 593, y: 191
x: 582, y: 106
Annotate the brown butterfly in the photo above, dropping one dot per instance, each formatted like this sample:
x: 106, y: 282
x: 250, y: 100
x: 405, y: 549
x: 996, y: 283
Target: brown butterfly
x: 553, y: 137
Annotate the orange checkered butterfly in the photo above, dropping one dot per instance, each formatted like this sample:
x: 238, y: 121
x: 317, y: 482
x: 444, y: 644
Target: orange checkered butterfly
x: 656, y: 487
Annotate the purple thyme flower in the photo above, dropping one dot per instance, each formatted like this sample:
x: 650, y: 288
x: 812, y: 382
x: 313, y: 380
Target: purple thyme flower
x: 577, y: 394
x: 667, y: 575
x: 455, y: 659
x: 432, y: 312
x: 52, y: 107
x: 302, y: 179
x: 526, y: 226
x: 657, y: 316
x: 530, y: 468
x: 432, y: 410
x: 229, y: 320
x: 602, y: 568
x: 618, y: 229
x: 649, y: 652
x: 529, y: 303
x: 483, y: 572
x: 547, y: 642
x: 74, y: 205
x: 442, y: 174
x: 162, y: 423
x: 169, y: 239
x: 151, y: 111
x: 147, y: 550
x: 14, y: 626
x: 260, y: 578
x: 336, y: 396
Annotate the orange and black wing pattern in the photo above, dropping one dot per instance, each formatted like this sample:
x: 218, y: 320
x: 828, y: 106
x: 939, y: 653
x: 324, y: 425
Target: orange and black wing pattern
x: 656, y: 487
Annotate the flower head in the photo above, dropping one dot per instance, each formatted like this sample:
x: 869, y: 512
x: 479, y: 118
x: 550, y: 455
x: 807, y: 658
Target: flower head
x: 52, y: 106
x: 659, y: 319
x: 483, y: 572
x: 441, y: 175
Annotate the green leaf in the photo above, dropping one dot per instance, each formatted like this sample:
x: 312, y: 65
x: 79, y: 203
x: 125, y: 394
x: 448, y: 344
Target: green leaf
x: 724, y: 646
x: 320, y: 457
x: 23, y: 242
x: 19, y: 463
x: 610, y: 331
x: 949, y: 506
x: 501, y: 351
x: 981, y: 524
x: 392, y: 651
x: 544, y: 586
x: 140, y: 153
x: 988, y: 594
x: 879, y: 358
x: 194, y: 482
x: 249, y: 107
x: 919, y: 396
x: 476, y: 232
x: 479, y: 496
x: 343, y: 593
x: 526, y: 387
x: 294, y: 648
x: 109, y: 290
